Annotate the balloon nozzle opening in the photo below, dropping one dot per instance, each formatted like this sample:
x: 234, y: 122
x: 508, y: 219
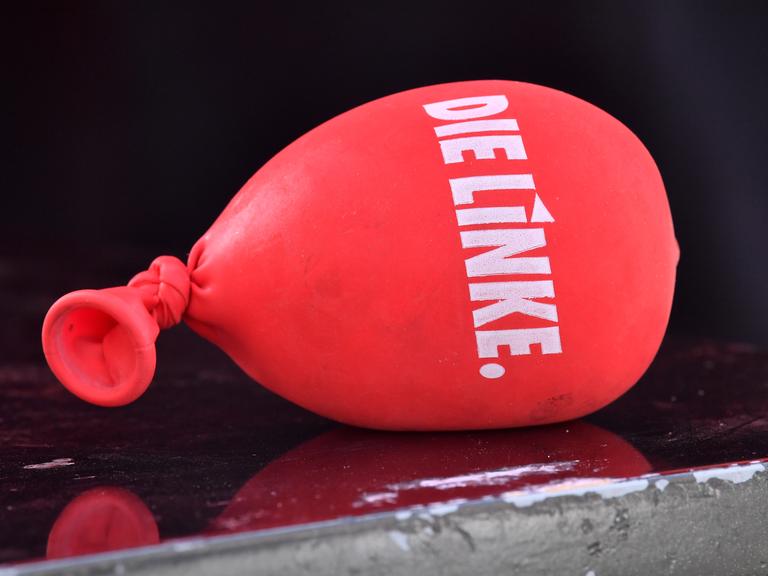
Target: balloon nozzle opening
x: 101, y: 344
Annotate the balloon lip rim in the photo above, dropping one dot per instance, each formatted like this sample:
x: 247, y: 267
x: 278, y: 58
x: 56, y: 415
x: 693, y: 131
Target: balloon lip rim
x: 65, y: 366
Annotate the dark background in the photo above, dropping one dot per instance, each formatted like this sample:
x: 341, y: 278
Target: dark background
x: 129, y: 125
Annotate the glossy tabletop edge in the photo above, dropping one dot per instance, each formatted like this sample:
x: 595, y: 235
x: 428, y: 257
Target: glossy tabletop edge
x: 407, y: 532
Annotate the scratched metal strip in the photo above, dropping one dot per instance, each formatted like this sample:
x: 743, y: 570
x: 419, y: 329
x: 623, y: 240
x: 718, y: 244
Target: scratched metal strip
x: 707, y: 520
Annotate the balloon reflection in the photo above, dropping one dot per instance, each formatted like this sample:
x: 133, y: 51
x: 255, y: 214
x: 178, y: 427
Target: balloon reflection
x: 350, y: 471
x: 100, y: 520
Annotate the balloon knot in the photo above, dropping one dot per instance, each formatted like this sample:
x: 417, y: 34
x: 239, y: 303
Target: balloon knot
x: 164, y: 290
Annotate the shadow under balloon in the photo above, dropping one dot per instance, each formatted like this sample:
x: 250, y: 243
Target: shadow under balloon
x: 352, y: 472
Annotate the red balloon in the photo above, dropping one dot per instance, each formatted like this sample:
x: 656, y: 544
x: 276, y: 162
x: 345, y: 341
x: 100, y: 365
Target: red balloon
x: 470, y: 255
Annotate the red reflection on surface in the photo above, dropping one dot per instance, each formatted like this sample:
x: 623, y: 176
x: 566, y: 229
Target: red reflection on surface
x: 351, y: 471
x: 100, y: 520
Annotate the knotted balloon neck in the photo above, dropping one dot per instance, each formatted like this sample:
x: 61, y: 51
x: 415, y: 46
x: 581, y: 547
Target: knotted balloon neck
x: 164, y: 288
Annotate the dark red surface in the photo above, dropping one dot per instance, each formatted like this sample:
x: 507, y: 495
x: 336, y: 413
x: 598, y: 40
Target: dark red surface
x: 206, y: 451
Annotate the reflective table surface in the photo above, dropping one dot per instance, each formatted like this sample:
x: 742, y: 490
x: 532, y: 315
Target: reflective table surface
x: 208, y: 452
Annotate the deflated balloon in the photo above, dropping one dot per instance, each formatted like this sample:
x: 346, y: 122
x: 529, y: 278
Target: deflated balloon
x: 470, y: 255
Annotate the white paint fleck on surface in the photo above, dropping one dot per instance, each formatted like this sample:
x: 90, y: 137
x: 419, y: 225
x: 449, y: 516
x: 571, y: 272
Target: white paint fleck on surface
x: 622, y: 488
x: 376, y: 498
x: 590, y: 573
x: 56, y: 463
x: 400, y: 539
x: 661, y: 484
x: 486, y: 478
x: 403, y: 515
x: 186, y: 546
x: 240, y: 521
x: 735, y: 474
x: 499, y: 477
x: 603, y: 487
x: 446, y: 508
